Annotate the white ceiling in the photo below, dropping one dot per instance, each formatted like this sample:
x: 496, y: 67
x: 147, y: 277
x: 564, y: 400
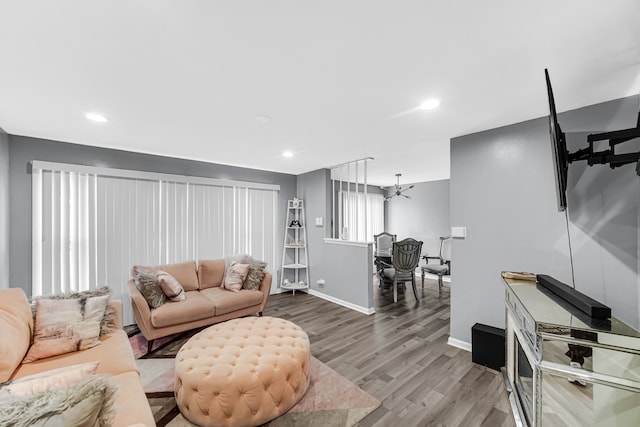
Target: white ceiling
x: 339, y: 80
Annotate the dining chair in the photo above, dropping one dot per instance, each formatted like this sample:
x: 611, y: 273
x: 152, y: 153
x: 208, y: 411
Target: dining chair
x: 383, y: 243
x: 405, y: 256
x: 444, y: 266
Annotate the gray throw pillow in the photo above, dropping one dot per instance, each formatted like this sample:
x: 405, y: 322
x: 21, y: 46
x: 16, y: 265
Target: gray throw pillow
x: 85, y: 403
x: 255, y: 274
x: 147, y: 283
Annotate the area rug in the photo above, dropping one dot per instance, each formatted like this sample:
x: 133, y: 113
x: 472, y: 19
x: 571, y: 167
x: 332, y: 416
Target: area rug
x: 331, y: 399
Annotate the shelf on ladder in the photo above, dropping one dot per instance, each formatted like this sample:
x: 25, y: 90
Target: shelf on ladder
x: 294, y: 273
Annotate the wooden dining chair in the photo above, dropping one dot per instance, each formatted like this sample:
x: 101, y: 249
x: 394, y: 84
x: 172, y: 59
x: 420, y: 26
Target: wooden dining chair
x: 444, y: 267
x: 405, y: 256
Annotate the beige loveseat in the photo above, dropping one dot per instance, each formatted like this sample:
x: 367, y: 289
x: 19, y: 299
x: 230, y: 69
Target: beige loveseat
x: 206, y: 301
x: 114, y: 355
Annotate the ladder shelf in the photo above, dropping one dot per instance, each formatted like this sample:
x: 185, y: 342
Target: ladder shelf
x: 295, y: 274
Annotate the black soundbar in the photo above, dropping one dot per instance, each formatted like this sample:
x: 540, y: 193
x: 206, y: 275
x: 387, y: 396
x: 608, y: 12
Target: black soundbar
x: 577, y: 299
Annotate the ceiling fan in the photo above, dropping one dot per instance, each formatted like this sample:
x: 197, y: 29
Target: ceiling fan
x: 399, y: 190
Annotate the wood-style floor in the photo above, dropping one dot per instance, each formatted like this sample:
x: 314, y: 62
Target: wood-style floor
x: 400, y: 356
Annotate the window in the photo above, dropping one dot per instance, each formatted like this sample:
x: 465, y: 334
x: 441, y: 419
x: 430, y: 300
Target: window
x: 91, y: 225
x: 357, y: 215
x: 362, y: 215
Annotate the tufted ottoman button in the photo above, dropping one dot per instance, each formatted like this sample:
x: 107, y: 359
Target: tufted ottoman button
x: 239, y: 377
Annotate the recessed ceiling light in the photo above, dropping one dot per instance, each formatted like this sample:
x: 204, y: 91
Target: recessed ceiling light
x: 287, y: 154
x: 96, y: 117
x: 430, y: 104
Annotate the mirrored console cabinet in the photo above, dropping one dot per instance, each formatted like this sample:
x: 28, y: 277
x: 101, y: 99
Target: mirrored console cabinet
x: 564, y: 368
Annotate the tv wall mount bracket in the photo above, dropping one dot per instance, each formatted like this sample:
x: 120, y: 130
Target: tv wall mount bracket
x: 609, y: 156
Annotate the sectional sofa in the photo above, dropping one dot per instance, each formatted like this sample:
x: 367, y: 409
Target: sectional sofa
x: 113, y: 355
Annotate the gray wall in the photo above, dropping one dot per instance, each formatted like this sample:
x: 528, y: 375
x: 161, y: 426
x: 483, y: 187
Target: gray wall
x: 346, y: 270
x: 425, y: 217
x: 604, y: 210
x: 4, y: 210
x: 313, y: 189
x: 22, y: 150
x: 503, y: 191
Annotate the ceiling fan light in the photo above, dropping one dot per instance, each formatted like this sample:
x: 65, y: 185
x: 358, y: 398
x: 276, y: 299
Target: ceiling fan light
x: 398, y: 190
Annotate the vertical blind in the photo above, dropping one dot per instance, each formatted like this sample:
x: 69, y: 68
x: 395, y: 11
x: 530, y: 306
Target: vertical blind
x: 361, y: 224
x: 91, y: 225
x: 356, y: 214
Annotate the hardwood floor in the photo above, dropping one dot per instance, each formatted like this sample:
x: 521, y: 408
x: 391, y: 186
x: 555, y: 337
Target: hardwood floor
x: 400, y: 356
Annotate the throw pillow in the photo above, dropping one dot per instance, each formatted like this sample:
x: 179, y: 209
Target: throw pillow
x: 147, y: 284
x: 43, y: 381
x: 67, y: 325
x: 171, y: 287
x: 86, y: 403
x: 255, y: 273
x: 106, y: 324
x: 234, y: 277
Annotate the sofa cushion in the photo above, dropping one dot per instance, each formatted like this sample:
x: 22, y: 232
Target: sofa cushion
x: 226, y: 302
x: 210, y: 273
x: 17, y: 326
x: 115, y: 356
x: 65, y: 326
x: 130, y: 404
x: 195, y: 307
x: 46, y: 380
x: 184, y: 272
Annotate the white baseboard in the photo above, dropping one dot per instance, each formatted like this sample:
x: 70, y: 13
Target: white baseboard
x: 329, y: 298
x: 462, y: 345
x: 358, y: 308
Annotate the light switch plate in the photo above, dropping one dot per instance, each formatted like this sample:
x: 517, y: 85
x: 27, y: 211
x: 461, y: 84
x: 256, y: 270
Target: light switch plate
x: 319, y: 221
x: 459, y: 232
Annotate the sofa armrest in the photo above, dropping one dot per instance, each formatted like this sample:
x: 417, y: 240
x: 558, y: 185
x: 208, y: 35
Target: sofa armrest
x: 265, y: 288
x: 116, y: 307
x: 141, y: 311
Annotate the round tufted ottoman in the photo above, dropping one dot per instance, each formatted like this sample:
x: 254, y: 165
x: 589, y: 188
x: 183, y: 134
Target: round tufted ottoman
x: 243, y: 372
